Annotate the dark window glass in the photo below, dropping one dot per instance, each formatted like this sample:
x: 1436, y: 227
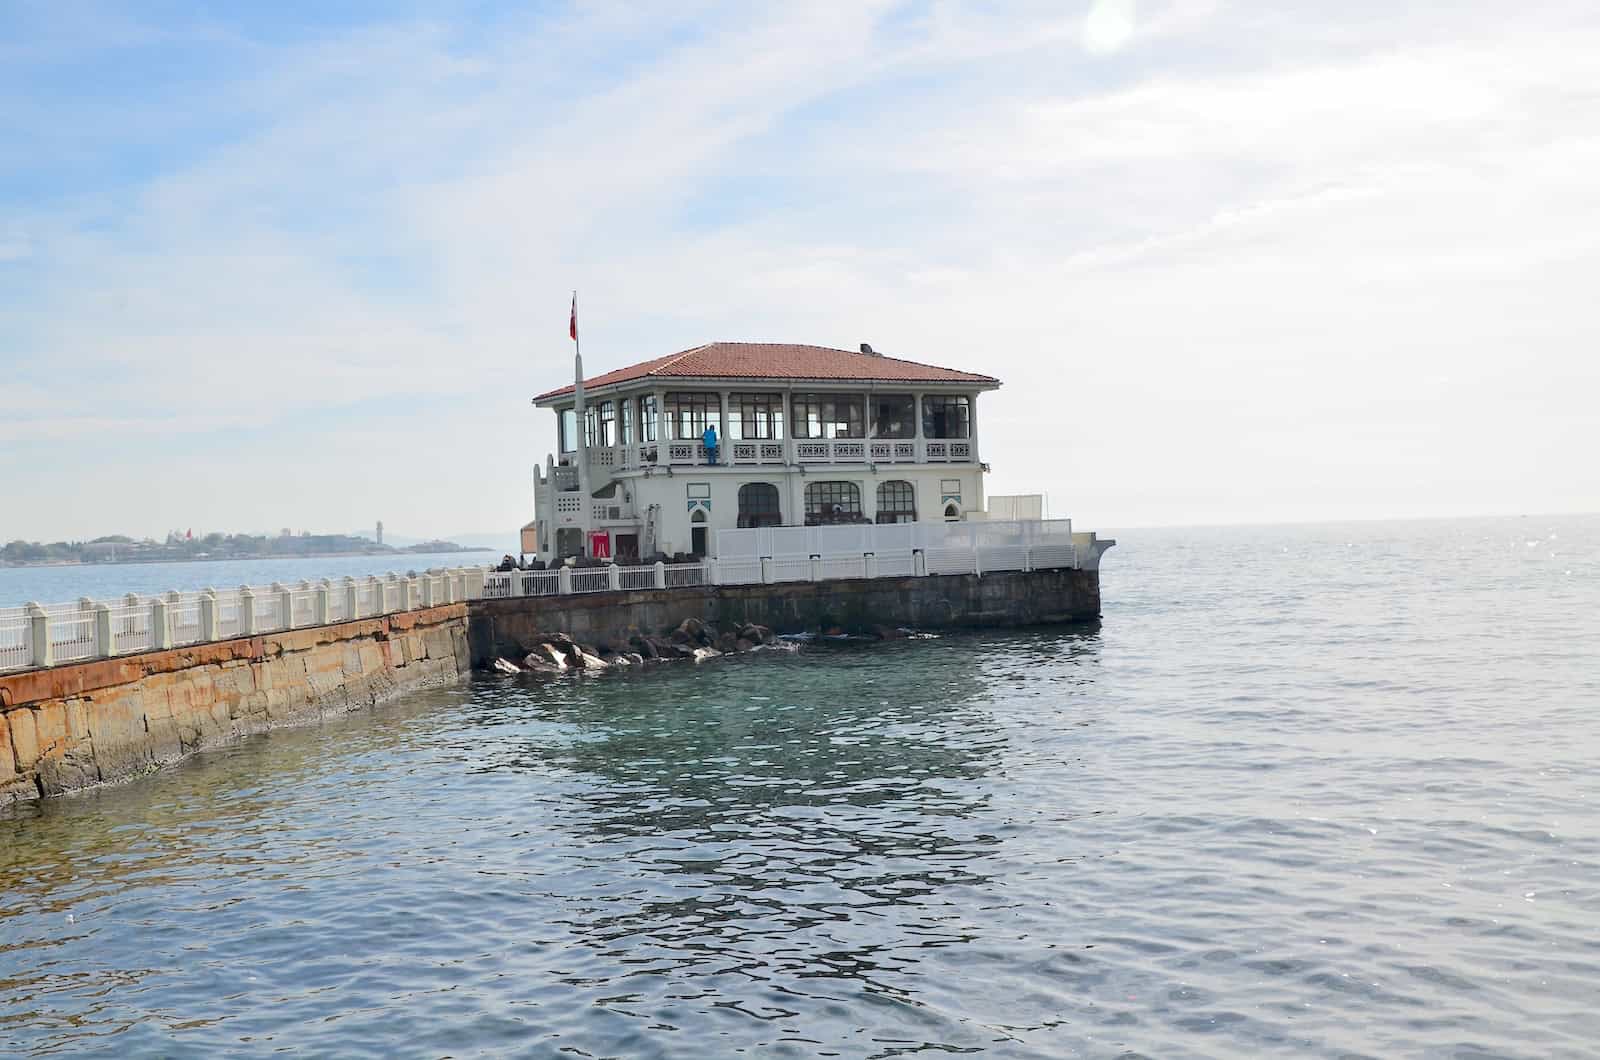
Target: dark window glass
x: 894, y: 416
x: 569, y: 431
x: 606, y: 416
x: 946, y: 416
x: 758, y: 505
x: 832, y: 502
x: 826, y: 416
x: 647, y: 418
x: 689, y: 413
x: 897, y: 502
x: 753, y: 417
x: 625, y: 406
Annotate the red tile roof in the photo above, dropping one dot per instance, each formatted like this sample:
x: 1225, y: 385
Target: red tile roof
x: 778, y: 360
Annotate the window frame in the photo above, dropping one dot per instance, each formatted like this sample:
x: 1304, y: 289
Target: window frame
x: 752, y: 515
x: 819, y: 414
x: 902, y: 495
x: 938, y: 407
x: 761, y: 409
x: 909, y: 427
x: 691, y: 407
x: 832, y: 501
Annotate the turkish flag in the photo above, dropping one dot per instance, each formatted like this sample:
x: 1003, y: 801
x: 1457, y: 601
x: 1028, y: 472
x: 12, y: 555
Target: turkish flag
x: 572, y: 325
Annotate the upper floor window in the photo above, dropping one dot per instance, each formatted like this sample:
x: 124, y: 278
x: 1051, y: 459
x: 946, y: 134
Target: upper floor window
x: 603, y: 424
x: 754, y: 417
x: 647, y: 418
x: 946, y: 416
x: 625, y: 421
x: 826, y: 416
x: 689, y: 413
x: 567, y: 428
x: 894, y: 416
x: 832, y: 502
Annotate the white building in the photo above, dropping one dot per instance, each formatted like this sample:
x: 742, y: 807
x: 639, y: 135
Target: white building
x: 805, y: 435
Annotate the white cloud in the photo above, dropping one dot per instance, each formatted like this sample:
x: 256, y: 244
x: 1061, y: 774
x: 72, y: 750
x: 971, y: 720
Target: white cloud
x: 1227, y: 272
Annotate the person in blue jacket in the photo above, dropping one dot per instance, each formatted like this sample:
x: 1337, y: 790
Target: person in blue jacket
x: 709, y: 439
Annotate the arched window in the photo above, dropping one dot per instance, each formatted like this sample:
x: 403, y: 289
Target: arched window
x: 832, y: 502
x: 897, y: 502
x: 952, y: 512
x: 758, y: 505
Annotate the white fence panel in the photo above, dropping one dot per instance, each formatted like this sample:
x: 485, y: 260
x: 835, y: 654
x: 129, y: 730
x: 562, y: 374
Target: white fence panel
x: 268, y: 615
x: 16, y: 640
x: 680, y: 575
x: 130, y: 628
x: 228, y: 615
x: 594, y: 580
x: 497, y: 585
x: 303, y: 605
x: 1013, y: 557
x: 185, y: 616
x: 73, y: 636
x: 1049, y: 557
x: 950, y: 560
x: 897, y: 564
x: 844, y: 566
x: 637, y: 577
x: 738, y: 571
x: 539, y: 582
x: 791, y: 568
x: 338, y: 604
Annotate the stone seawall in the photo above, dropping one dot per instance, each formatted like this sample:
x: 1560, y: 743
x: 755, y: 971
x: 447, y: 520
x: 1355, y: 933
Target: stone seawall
x: 960, y: 601
x: 81, y: 724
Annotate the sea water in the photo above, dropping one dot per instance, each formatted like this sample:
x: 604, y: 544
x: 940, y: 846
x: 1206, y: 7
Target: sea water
x: 1306, y: 791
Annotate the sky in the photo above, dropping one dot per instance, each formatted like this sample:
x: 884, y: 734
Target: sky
x: 1234, y: 262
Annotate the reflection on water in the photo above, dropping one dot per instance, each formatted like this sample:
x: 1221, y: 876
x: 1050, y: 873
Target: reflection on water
x: 1279, y: 804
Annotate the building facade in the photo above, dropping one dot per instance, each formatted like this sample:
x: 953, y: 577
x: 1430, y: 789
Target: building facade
x: 803, y: 435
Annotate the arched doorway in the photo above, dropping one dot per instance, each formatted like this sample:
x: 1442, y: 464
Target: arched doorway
x: 952, y: 512
x: 698, y: 533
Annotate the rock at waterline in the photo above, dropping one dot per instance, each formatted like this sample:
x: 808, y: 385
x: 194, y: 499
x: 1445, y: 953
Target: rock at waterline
x: 503, y: 666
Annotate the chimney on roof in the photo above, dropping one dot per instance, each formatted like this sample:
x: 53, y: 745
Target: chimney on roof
x: 866, y: 348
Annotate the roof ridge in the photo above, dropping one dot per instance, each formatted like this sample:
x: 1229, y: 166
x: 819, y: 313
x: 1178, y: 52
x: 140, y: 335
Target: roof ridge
x: 673, y: 358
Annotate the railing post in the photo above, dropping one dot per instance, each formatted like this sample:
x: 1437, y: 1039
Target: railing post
x: 352, y: 599
x: 614, y: 576
x: 412, y: 592
x: 816, y: 568
x: 660, y: 579
x: 208, y: 615
x: 39, y: 632
x: 564, y: 580
x: 285, y: 607
x: 104, y: 640
x: 425, y: 588
x: 869, y: 564
x: 160, y: 625
x: 710, y: 567
x: 321, y: 603
x: 919, y: 564
x: 247, y: 612
x: 766, y: 570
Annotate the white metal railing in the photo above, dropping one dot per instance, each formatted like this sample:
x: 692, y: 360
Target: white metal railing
x: 38, y: 635
x: 16, y: 639
x: 636, y: 577
x: 539, y: 582
x: 591, y: 581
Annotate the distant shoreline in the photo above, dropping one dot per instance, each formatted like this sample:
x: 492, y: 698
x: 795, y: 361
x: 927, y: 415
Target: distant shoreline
x: 132, y: 562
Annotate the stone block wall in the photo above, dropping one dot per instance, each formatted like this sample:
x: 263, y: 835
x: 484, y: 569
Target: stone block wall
x: 73, y: 726
x: 963, y: 601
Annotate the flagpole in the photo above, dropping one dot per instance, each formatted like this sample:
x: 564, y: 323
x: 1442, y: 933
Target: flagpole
x: 586, y: 506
